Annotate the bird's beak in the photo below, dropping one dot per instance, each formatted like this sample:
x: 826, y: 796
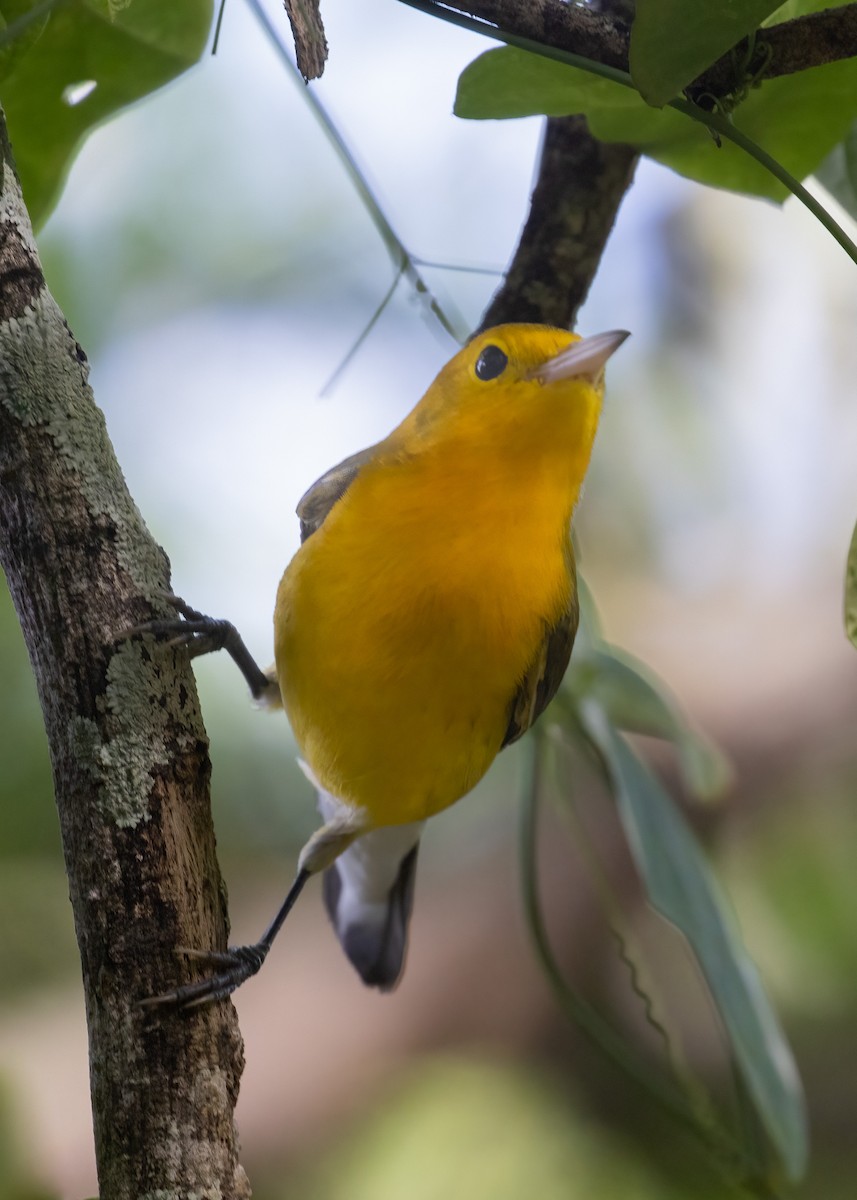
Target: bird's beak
x: 584, y: 359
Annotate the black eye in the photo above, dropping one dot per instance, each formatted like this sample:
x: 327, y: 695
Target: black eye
x: 491, y: 363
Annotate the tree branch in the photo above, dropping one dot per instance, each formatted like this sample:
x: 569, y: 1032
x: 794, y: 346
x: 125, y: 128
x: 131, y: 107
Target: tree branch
x: 579, y: 188
x: 809, y: 41
x: 813, y: 40
x: 128, y: 749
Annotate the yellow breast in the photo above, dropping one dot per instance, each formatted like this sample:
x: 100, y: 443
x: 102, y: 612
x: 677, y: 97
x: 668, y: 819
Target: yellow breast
x: 403, y: 627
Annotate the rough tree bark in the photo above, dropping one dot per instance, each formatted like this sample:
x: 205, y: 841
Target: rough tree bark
x: 579, y: 188
x: 128, y: 751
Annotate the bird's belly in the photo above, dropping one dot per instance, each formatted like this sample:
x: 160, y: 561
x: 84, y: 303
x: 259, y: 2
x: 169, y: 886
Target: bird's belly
x: 400, y: 700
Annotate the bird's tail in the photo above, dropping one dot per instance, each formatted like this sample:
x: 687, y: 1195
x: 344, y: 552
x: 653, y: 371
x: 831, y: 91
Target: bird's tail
x: 369, y: 894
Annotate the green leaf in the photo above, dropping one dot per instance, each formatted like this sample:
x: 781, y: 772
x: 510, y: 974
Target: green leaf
x: 508, y: 82
x: 126, y: 49
x: 673, y: 41
x: 838, y: 172
x: 851, y: 590
x: 798, y: 119
x: 635, y: 700
x: 21, y: 24
x: 800, y: 8
x: 682, y: 888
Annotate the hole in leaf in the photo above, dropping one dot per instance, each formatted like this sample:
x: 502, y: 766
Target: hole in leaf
x: 76, y: 93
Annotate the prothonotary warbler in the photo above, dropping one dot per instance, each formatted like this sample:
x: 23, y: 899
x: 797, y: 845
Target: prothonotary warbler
x: 424, y: 624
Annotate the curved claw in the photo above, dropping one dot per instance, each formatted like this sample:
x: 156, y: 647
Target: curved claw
x: 239, y: 963
x: 199, y: 634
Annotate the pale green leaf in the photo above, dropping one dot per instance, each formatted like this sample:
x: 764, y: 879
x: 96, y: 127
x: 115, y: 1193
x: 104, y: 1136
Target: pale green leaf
x: 801, y: 8
x: 797, y: 119
x: 508, y: 82
x: 682, y: 888
x: 90, y: 58
x: 635, y: 700
x: 838, y: 172
x: 673, y: 41
x: 851, y: 590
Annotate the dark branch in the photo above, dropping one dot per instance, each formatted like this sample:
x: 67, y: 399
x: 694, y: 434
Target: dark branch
x: 580, y: 186
x: 810, y: 41
x: 555, y: 23
x: 308, y: 32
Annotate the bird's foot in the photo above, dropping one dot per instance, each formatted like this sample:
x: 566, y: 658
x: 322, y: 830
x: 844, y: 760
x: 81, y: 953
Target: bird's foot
x: 199, y: 634
x: 191, y: 629
x: 237, y: 964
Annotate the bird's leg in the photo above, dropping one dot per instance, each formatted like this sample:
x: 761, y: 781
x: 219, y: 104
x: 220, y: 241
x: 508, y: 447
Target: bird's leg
x: 200, y: 634
x: 240, y: 962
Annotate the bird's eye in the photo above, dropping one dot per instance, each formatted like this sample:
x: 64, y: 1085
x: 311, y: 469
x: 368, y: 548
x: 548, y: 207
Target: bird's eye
x: 491, y: 363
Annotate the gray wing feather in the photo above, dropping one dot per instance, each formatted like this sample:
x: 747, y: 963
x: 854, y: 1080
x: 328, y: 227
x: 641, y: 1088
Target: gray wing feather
x: 542, y: 680
x: 318, y: 500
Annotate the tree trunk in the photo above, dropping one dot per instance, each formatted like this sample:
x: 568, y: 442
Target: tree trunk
x: 128, y: 749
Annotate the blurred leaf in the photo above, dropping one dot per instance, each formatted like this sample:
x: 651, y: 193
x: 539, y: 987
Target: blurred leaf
x: 635, y: 700
x: 589, y: 631
x: 90, y: 58
x: 508, y: 82
x: 838, y: 172
x: 21, y: 24
x: 673, y: 41
x: 794, y: 881
x: 18, y: 1179
x: 434, y: 1133
x: 37, y: 943
x: 797, y: 119
x: 800, y: 8
x: 682, y: 889
x: 28, y: 815
x: 851, y: 590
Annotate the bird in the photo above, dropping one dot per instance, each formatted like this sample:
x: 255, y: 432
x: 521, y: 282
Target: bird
x: 424, y: 624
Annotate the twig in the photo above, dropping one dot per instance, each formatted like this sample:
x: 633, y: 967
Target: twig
x: 712, y: 120
x: 809, y: 41
x: 580, y: 185
x: 403, y: 261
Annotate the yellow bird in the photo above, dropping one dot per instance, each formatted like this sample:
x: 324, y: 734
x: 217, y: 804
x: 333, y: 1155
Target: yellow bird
x: 424, y: 624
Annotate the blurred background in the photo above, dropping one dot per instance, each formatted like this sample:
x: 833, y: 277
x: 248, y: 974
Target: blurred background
x: 216, y: 265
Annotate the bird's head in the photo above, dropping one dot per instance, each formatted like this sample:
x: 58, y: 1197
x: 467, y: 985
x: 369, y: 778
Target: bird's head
x: 529, y: 394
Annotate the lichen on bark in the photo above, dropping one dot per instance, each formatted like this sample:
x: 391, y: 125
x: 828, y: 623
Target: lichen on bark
x: 128, y: 750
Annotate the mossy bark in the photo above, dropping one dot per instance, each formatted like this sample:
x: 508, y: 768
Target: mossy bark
x: 128, y: 749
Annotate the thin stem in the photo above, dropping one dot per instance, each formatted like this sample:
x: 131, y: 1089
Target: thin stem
x: 620, y: 928
x: 403, y: 261
x: 464, y: 268
x: 370, y: 325
x: 18, y: 26
x: 726, y: 129
x: 216, y: 40
x: 594, y: 1027
x: 725, y: 1153
x: 711, y: 120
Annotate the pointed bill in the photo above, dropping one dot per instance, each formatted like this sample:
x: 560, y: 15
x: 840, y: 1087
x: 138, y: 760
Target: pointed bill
x: 585, y: 359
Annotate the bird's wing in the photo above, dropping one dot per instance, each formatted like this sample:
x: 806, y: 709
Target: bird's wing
x: 318, y: 500
x: 542, y: 680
